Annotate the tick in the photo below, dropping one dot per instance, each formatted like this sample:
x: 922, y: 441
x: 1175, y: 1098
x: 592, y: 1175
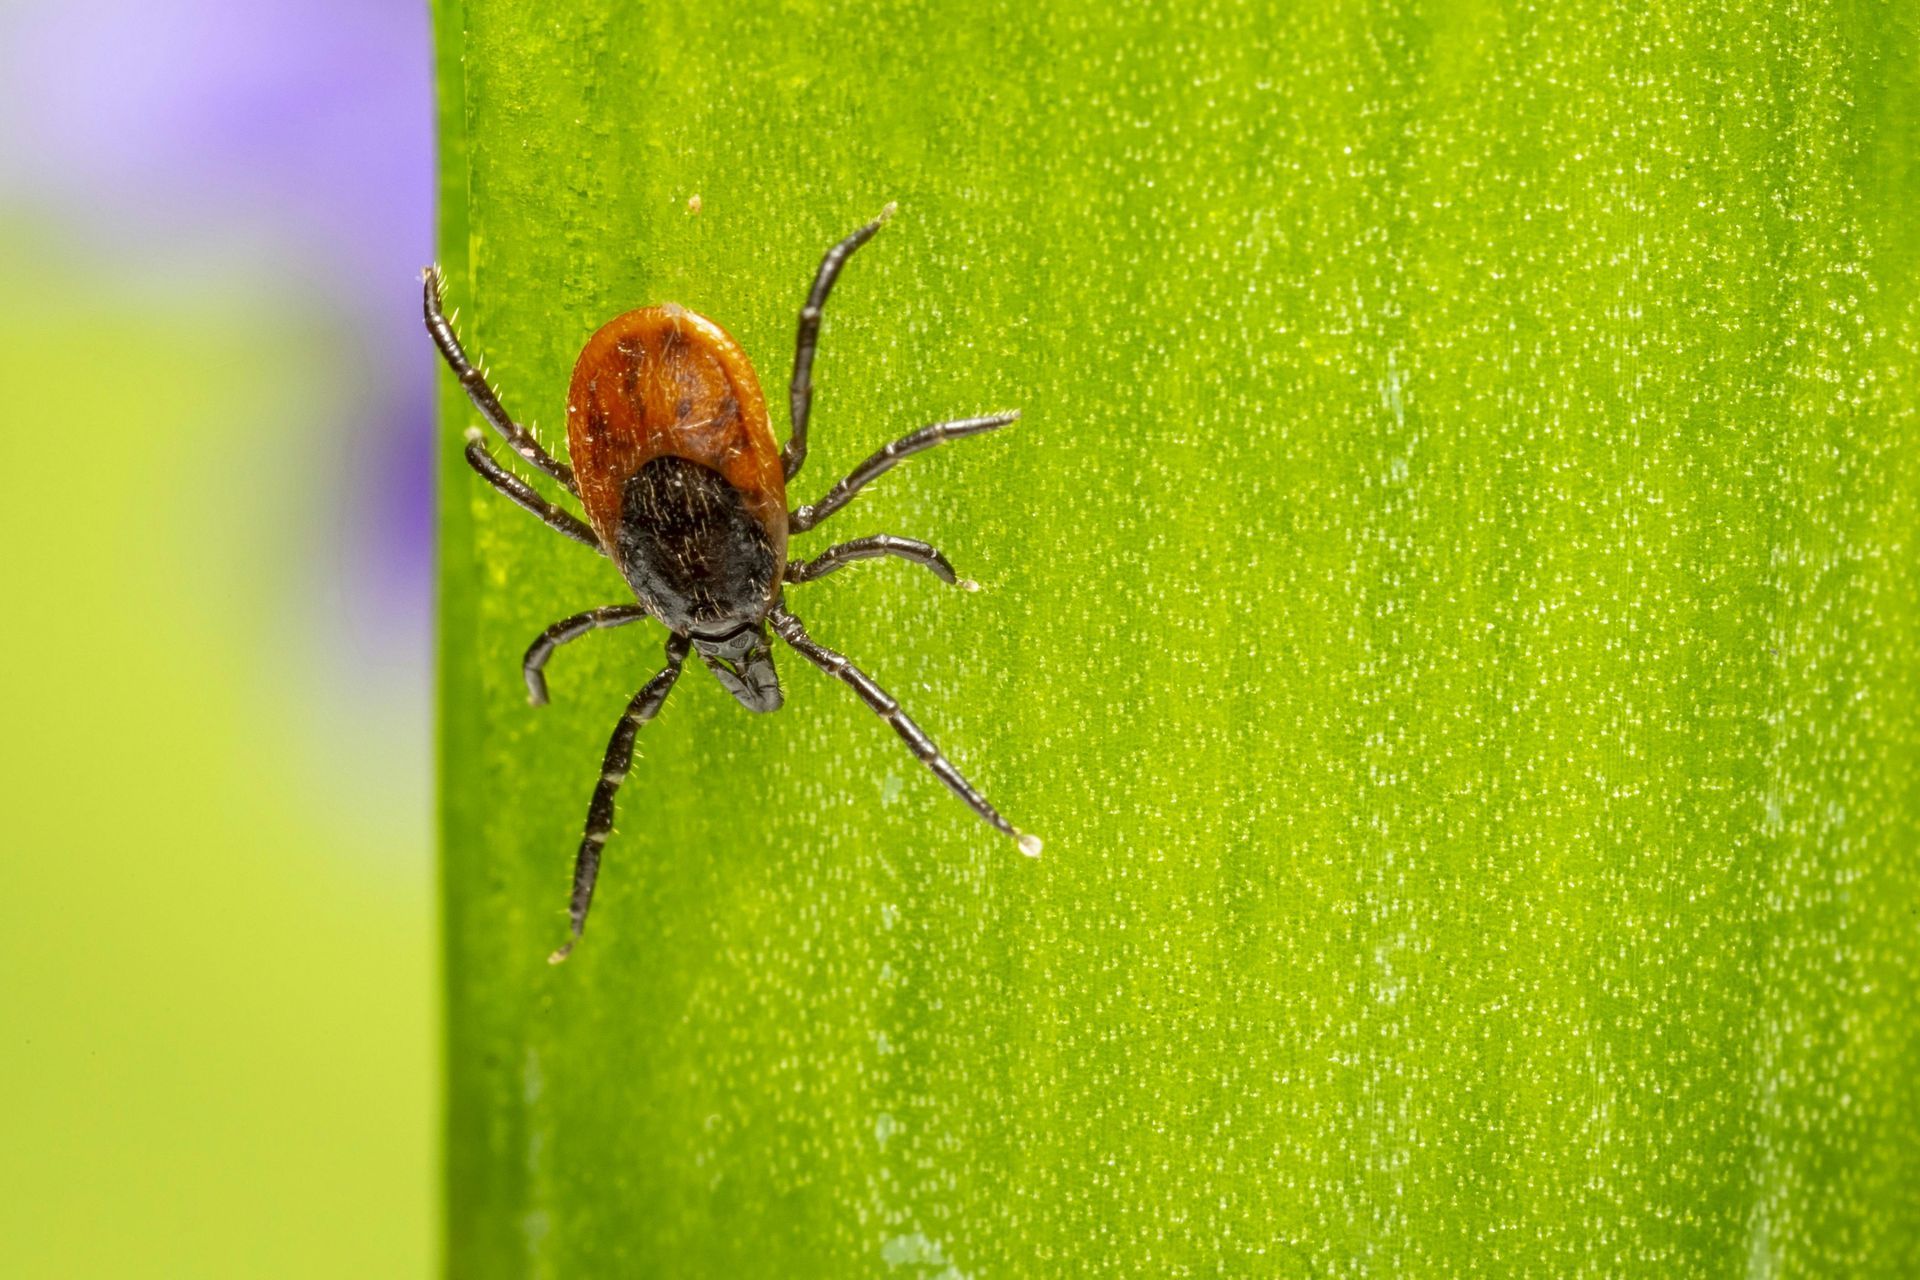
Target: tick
x: 685, y: 491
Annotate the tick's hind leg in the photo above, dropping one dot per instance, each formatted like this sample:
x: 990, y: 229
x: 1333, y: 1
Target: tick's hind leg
x: 837, y: 665
x: 613, y: 771
x: 804, y: 518
x: 880, y: 544
x: 556, y: 518
x: 533, y: 666
x: 800, y: 390
x: 475, y: 382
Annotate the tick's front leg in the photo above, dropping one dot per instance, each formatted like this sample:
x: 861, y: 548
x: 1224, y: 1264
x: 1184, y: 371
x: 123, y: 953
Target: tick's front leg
x: 613, y: 771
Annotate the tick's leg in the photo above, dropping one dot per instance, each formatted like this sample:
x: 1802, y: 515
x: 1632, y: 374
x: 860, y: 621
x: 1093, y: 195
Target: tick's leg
x: 789, y: 629
x: 613, y: 771
x: 880, y: 544
x: 534, y: 665
x: 514, y: 487
x: 804, y: 518
x: 475, y: 382
x: 800, y: 391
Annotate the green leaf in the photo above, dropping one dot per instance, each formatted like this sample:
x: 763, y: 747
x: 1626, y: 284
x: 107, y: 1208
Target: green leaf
x: 1449, y: 609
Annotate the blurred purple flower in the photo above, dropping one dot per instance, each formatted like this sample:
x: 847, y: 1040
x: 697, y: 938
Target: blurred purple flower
x: 167, y: 119
x: 293, y: 139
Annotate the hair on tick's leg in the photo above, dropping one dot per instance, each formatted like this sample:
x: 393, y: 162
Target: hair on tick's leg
x: 835, y: 664
x: 613, y: 771
x: 804, y: 518
x: 556, y: 518
x: 800, y: 390
x: 911, y: 550
x: 474, y: 381
x: 533, y: 666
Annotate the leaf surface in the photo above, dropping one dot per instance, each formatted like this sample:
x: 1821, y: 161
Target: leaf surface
x: 1449, y: 608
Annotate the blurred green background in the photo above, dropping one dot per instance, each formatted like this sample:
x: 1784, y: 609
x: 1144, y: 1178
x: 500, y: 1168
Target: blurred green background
x: 217, y: 1019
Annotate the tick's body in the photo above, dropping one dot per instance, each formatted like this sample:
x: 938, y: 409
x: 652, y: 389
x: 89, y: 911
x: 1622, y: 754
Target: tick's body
x: 685, y: 491
x: 678, y: 468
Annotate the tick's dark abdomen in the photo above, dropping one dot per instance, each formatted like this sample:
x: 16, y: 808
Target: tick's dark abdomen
x: 691, y: 550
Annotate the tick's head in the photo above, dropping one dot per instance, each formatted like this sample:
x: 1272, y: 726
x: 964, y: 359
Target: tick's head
x: 743, y: 662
